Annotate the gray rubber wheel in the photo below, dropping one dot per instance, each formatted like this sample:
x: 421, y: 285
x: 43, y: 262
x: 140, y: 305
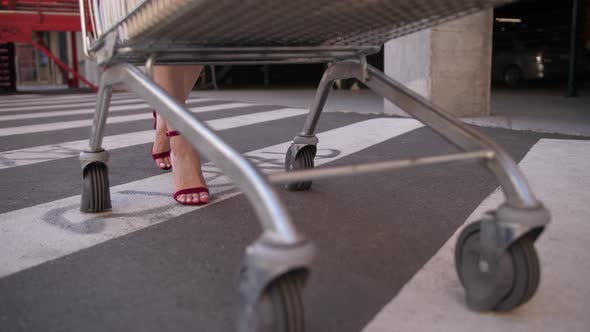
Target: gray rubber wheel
x: 520, y: 265
x: 280, y: 308
x: 303, y: 160
x: 95, y: 188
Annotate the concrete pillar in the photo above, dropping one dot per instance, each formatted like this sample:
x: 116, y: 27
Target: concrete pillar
x: 449, y: 64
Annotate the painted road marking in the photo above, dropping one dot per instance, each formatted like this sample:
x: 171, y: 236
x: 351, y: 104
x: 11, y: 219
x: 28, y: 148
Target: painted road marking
x: 131, y: 104
x: 111, y: 119
x: 62, y: 105
x: 433, y: 299
x: 51, y: 230
x: 39, y: 154
x: 46, y: 99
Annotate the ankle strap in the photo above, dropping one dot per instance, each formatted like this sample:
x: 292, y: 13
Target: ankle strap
x: 172, y: 133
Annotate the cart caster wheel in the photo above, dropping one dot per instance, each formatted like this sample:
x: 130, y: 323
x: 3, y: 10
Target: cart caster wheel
x: 95, y: 188
x: 280, y: 308
x: 503, y: 287
x: 303, y: 160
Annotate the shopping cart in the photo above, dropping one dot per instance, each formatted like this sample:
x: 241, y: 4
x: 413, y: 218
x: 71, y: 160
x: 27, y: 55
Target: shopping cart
x: 495, y: 258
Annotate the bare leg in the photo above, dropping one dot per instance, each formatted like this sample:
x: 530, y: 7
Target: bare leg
x: 167, y: 78
x: 178, y: 82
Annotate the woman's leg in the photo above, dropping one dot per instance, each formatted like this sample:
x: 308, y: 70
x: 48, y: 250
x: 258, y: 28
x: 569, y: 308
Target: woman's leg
x: 171, y: 79
x: 178, y: 81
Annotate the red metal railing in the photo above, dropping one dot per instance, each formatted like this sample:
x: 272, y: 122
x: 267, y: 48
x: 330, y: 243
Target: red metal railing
x: 67, y: 6
x: 21, y: 20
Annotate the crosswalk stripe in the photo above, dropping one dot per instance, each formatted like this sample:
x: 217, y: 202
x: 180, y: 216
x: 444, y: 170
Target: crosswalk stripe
x: 61, y: 105
x: 112, y: 119
x: 52, y: 95
x: 113, y: 108
x: 7, y: 98
x: 433, y: 299
x: 48, y: 231
x: 16, y: 98
x: 38, y: 154
x: 67, y: 99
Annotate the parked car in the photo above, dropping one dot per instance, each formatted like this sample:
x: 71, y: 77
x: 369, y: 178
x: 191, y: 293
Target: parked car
x: 520, y: 56
x: 512, y: 66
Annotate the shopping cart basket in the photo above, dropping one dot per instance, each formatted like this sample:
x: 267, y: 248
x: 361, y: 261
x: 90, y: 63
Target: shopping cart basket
x: 495, y: 257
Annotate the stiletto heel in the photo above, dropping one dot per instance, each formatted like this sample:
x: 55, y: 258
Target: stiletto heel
x: 160, y: 155
x: 194, y: 190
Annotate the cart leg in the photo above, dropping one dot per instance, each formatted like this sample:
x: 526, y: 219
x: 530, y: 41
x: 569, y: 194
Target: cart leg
x: 276, y: 264
x: 495, y: 258
x: 514, y: 185
x: 95, y: 177
x: 303, y: 148
x: 319, y: 102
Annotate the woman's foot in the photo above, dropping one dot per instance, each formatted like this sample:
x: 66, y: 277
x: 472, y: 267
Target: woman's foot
x: 187, y: 173
x: 161, y: 147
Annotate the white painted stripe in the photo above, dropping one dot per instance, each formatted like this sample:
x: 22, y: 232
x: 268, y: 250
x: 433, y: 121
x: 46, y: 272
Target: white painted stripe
x: 433, y: 299
x: 40, y: 100
x: 66, y: 96
x: 65, y: 102
x: 15, y: 97
x: 19, y: 95
x: 252, y: 118
x: 61, y: 106
x: 47, y: 231
x: 117, y: 107
x: 112, y: 119
x: 39, y: 154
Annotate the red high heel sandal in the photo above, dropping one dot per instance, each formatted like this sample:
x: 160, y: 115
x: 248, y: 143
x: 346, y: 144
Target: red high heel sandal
x: 160, y: 155
x: 194, y: 190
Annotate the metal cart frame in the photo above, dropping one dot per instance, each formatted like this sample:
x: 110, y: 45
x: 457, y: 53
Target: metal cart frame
x: 502, y: 275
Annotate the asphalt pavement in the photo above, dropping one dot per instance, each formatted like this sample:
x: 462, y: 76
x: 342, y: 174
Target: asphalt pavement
x: 384, y: 241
